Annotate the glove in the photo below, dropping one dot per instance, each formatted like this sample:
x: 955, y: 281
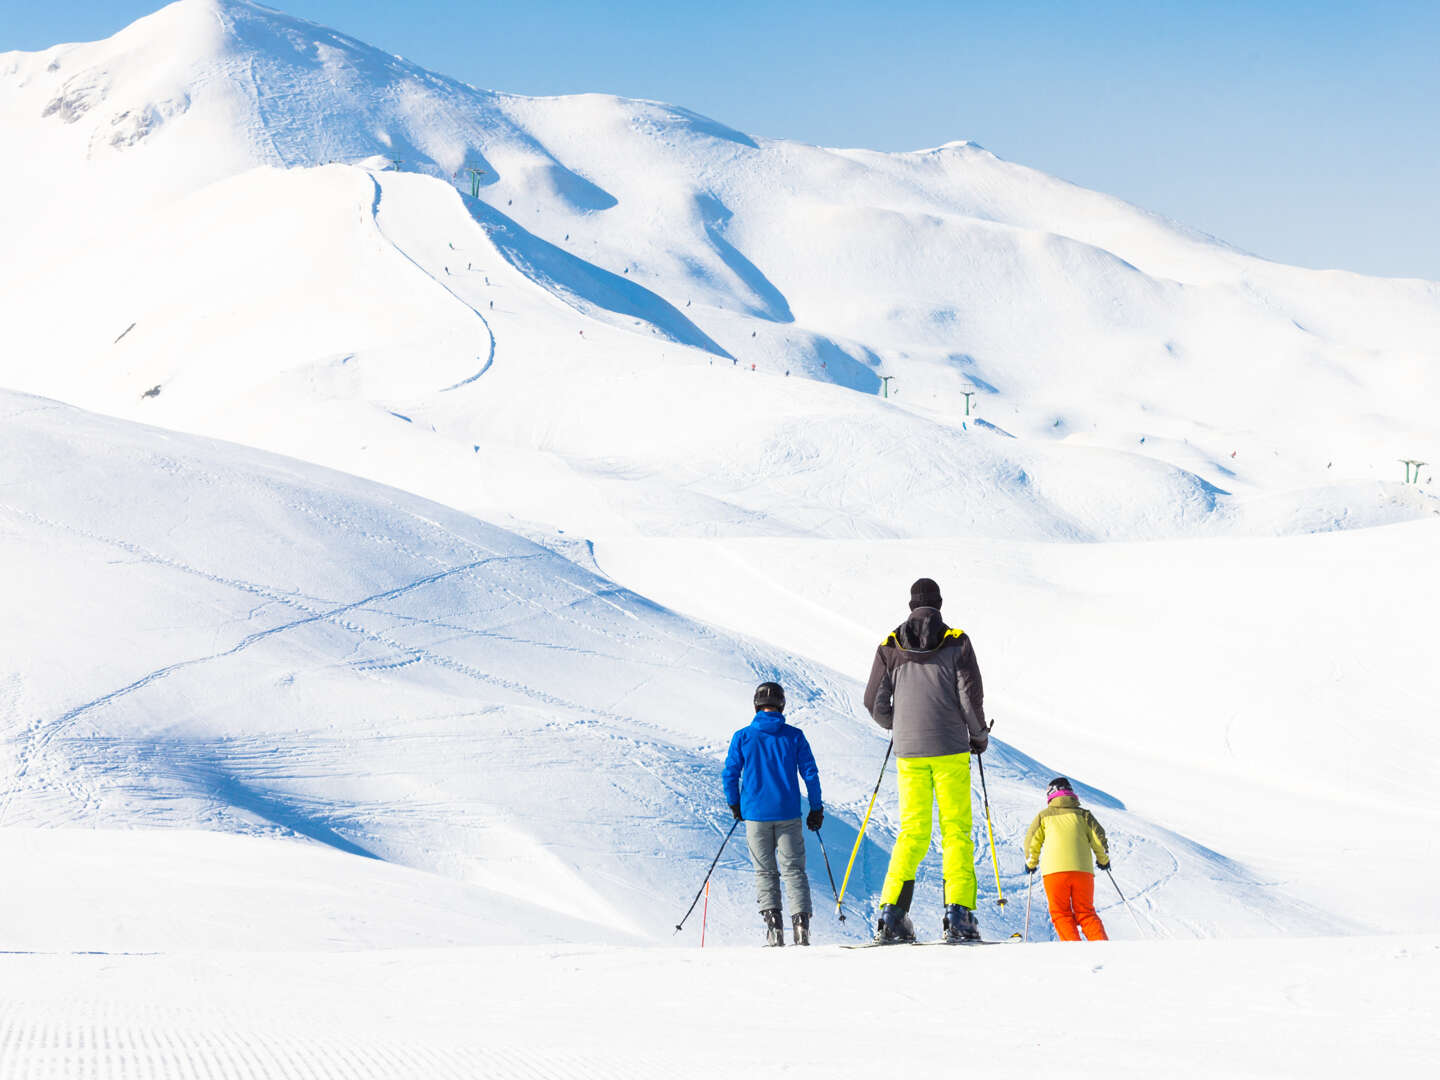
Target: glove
x: 814, y: 818
x: 735, y: 809
x: 1104, y: 866
x: 1030, y: 869
x: 978, y: 748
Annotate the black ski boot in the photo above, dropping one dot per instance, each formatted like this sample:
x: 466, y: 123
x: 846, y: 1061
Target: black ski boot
x: 774, y: 927
x: 960, y: 925
x: 894, y: 926
x: 801, y: 924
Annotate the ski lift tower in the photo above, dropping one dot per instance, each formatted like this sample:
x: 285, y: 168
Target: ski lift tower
x: 1411, y: 463
x: 885, y: 384
x: 968, y: 395
x: 475, y: 174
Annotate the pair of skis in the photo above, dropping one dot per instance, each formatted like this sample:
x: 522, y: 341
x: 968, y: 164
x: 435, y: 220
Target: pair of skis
x: 892, y: 944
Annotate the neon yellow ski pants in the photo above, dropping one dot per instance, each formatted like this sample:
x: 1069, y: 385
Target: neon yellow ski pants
x: 925, y: 783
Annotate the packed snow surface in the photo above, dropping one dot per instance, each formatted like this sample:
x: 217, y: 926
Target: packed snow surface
x: 383, y: 738
x: 1315, y: 1008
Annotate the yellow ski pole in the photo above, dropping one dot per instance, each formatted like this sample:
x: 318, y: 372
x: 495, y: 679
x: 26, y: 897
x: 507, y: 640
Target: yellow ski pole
x: 990, y: 829
x: 861, y: 834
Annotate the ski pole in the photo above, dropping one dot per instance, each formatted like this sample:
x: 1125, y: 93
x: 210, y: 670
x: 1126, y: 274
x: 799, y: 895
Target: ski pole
x: 861, y: 834
x: 706, y: 882
x: 1029, y: 892
x: 1125, y: 902
x: 821, y: 841
x: 705, y: 913
x: 994, y: 859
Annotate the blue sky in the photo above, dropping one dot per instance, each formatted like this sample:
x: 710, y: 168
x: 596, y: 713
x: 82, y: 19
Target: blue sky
x: 1306, y: 133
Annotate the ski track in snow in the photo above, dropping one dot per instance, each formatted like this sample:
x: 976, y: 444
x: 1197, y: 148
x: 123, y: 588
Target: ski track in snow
x: 44, y: 733
x: 48, y: 732
x: 489, y: 330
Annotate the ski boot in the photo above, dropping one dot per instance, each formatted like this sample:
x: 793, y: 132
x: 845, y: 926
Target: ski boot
x: 774, y: 927
x: 801, y: 924
x: 894, y: 926
x: 960, y: 925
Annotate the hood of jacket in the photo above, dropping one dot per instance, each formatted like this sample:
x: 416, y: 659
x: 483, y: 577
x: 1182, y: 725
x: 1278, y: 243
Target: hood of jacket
x: 768, y: 722
x: 923, y: 631
x: 1065, y: 801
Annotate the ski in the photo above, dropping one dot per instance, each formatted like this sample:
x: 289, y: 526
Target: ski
x: 954, y: 944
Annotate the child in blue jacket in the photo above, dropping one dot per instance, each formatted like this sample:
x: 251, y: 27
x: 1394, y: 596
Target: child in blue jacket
x: 762, y: 790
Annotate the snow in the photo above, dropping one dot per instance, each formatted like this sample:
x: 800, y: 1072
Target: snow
x: 147, y: 891
x: 290, y: 652
x: 1248, y: 693
x: 1076, y: 318
x: 389, y: 567
x: 1188, y: 1009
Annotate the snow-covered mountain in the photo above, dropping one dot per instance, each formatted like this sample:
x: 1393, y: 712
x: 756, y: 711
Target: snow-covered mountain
x: 576, y: 456
x: 634, y: 281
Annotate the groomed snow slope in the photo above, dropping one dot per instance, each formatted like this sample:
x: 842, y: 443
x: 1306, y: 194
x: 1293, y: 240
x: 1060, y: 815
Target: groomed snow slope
x: 1313, y: 1008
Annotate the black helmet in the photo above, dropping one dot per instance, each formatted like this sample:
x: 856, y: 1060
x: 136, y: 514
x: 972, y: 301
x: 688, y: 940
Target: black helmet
x: 1059, y: 786
x: 769, y: 695
x: 924, y: 593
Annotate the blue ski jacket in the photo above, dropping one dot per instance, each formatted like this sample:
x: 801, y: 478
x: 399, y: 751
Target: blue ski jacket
x: 761, y: 768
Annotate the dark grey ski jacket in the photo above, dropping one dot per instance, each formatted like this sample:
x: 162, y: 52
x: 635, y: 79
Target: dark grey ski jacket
x: 925, y: 688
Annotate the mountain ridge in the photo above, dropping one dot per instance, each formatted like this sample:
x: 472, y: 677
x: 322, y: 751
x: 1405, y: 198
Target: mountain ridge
x: 960, y: 281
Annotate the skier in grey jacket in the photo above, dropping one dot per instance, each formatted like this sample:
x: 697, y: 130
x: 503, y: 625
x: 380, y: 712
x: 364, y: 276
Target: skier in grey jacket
x: 925, y: 689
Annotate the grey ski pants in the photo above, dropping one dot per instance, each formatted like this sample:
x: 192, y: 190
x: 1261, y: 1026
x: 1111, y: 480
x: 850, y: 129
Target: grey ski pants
x: 767, y: 839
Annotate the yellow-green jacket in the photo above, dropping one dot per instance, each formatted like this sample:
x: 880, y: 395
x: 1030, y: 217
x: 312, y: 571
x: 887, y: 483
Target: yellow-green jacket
x: 1062, y: 836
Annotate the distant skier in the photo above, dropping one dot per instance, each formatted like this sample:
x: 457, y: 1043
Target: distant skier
x: 762, y: 790
x: 925, y: 688
x: 1060, y: 841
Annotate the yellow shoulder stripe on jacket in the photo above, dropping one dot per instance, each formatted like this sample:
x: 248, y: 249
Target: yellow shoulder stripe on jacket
x: 955, y: 635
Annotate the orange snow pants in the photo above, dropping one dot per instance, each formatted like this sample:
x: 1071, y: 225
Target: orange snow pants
x: 1072, y: 900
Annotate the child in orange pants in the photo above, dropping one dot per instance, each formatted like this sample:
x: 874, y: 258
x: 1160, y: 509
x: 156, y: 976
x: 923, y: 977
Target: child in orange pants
x: 1066, y: 841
